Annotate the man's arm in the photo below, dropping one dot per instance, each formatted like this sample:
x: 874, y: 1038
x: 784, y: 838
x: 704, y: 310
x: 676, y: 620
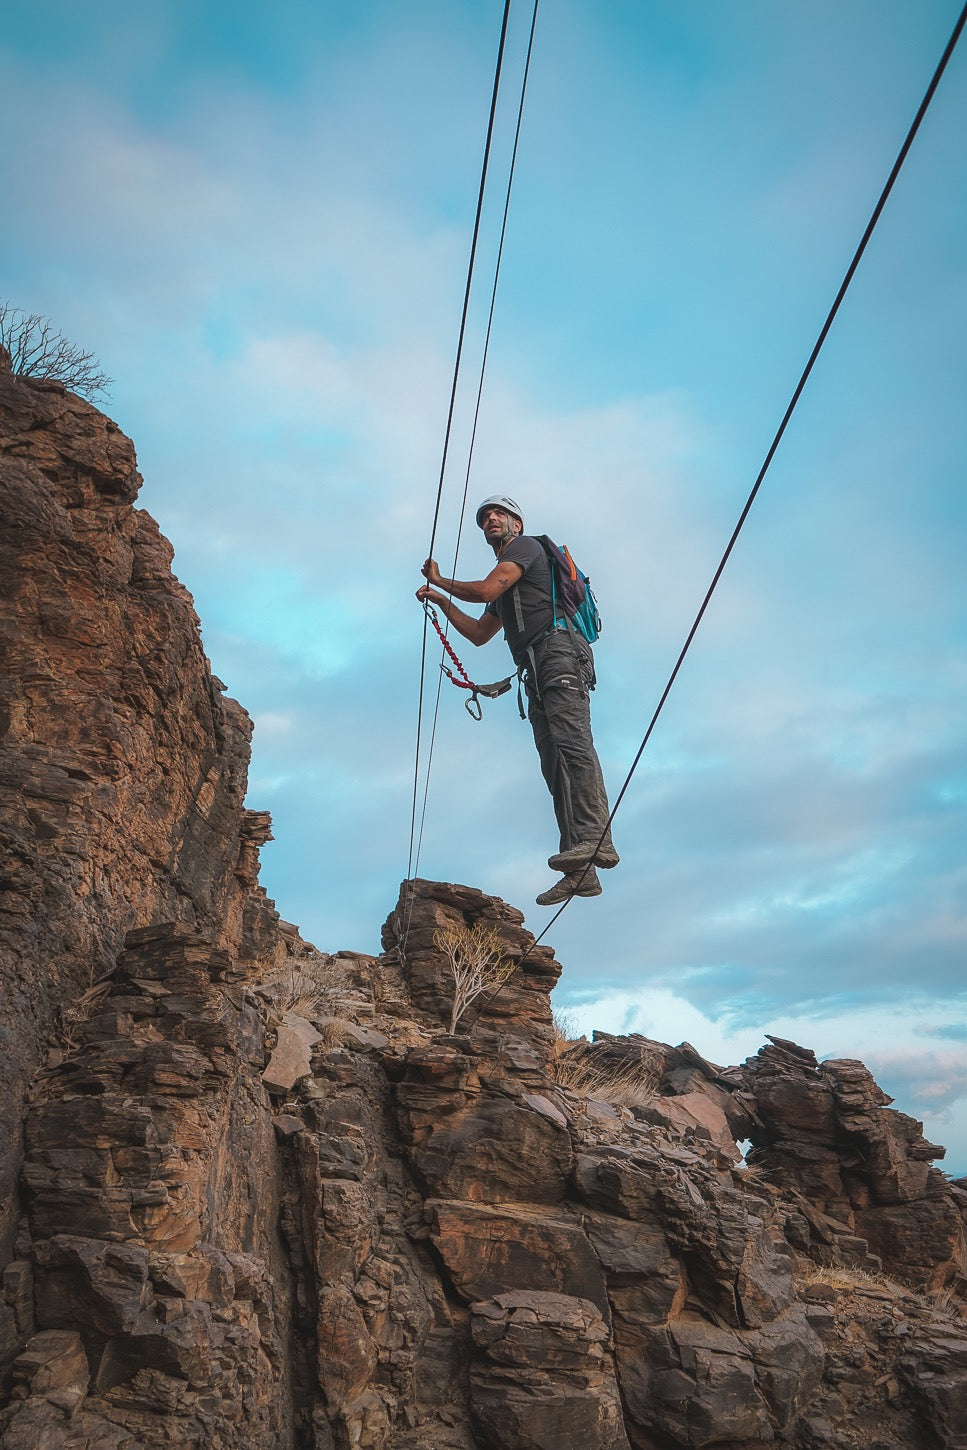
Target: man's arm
x: 477, y: 591
x: 478, y: 631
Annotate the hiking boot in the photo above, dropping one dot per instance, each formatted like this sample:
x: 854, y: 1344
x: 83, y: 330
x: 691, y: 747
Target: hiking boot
x: 578, y: 883
x: 577, y: 856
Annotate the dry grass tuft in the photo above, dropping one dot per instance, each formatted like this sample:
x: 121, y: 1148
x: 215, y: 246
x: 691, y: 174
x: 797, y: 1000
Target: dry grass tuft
x: 752, y: 1174
x: 335, y: 1032
x: 628, y: 1085
x: 948, y: 1301
x: 303, y: 987
x: 565, y: 1031
x: 842, y: 1276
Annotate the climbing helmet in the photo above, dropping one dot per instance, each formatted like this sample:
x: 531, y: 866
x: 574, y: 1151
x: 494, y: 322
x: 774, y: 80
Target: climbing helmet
x: 500, y: 501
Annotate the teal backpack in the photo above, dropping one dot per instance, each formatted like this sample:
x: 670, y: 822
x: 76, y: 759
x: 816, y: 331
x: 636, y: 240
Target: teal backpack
x: 571, y: 595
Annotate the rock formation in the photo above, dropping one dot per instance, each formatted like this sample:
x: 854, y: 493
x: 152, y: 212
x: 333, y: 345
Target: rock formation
x: 260, y: 1196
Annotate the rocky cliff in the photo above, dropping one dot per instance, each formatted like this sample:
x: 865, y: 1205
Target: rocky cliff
x: 255, y: 1195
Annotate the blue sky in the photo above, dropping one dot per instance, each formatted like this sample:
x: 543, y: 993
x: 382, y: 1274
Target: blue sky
x: 259, y: 218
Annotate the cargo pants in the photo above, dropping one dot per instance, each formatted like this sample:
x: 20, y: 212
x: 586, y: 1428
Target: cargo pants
x: 559, y: 710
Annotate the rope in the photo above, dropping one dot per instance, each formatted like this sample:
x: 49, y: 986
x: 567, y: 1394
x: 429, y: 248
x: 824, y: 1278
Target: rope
x: 413, y: 860
x: 472, y: 704
x: 465, y: 681
x: 476, y: 418
x: 453, y: 395
x: 824, y: 331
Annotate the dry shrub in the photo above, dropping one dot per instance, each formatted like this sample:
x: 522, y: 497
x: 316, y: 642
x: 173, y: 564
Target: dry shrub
x: 304, y: 986
x: 73, y: 1014
x: 475, y: 957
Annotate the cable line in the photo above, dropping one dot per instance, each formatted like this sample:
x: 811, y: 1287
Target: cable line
x: 453, y: 395
x: 824, y: 332
x: 476, y: 418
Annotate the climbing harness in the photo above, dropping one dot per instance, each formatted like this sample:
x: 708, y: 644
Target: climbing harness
x: 472, y: 704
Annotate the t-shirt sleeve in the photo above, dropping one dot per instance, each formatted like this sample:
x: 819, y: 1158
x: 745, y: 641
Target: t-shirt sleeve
x: 521, y: 551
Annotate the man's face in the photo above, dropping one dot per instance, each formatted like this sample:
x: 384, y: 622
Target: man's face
x: 499, y: 526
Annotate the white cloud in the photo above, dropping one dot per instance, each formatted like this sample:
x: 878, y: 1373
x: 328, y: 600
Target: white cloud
x: 273, y: 722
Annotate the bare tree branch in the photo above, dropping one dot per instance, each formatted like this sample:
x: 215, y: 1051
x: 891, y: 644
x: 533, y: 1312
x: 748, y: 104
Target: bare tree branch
x: 38, y: 350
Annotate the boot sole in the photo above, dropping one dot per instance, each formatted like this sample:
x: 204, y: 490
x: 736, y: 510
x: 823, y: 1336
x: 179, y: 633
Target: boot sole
x: 556, y: 900
x: 606, y: 863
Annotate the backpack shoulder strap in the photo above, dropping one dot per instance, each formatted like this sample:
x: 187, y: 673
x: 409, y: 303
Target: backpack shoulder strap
x: 514, y: 590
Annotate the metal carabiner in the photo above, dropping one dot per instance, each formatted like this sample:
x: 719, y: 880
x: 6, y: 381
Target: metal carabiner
x: 473, y: 707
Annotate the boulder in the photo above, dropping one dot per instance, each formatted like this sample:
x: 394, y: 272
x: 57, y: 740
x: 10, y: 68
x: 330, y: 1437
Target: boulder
x: 543, y: 1375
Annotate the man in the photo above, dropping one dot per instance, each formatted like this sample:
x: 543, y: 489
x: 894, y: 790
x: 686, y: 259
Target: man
x: 558, y: 675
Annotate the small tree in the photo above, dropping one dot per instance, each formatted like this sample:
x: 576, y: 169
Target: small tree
x: 38, y: 350
x: 475, y: 957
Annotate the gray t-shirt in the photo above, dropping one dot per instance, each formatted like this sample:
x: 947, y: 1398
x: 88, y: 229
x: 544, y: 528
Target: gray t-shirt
x: 533, y: 591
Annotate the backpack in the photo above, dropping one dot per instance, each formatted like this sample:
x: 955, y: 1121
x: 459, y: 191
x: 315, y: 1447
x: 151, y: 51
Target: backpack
x: 571, y: 590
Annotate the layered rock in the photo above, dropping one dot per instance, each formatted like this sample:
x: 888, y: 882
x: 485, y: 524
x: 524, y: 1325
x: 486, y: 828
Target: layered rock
x: 123, y: 765
x: 432, y: 1240
x: 821, y: 1132
x: 257, y: 1196
x: 154, y: 1239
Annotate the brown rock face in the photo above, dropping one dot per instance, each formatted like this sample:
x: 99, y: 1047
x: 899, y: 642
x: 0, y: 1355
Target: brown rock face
x: 152, y: 1236
x: 123, y: 767
x: 544, y: 1374
x: 258, y: 1198
x: 822, y: 1132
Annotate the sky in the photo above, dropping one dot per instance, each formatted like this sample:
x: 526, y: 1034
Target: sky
x: 259, y: 216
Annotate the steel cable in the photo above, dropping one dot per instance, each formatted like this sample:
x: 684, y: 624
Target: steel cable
x: 797, y: 393
x: 476, y: 415
x: 453, y: 395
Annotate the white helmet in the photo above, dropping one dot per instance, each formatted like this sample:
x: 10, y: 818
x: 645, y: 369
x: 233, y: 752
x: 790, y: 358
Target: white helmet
x: 501, y: 501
